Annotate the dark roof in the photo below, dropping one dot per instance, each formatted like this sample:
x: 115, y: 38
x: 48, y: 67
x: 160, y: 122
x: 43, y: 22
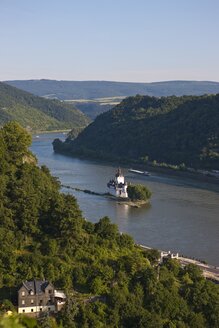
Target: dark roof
x: 37, y: 286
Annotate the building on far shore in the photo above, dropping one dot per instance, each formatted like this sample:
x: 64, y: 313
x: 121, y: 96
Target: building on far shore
x: 38, y: 296
x: 164, y: 256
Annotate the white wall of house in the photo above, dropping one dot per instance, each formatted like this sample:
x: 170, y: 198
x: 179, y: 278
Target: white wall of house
x: 34, y: 309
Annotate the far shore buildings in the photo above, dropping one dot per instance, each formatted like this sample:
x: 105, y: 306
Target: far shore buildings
x: 164, y: 256
x: 39, y: 296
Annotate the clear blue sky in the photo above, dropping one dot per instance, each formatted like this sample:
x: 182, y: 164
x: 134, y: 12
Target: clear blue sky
x: 117, y: 40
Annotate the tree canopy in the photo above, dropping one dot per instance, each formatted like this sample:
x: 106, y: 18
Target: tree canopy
x: 109, y: 280
x: 138, y: 192
x: 173, y: 130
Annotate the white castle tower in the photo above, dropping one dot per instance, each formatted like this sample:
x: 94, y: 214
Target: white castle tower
x: 118, y: 186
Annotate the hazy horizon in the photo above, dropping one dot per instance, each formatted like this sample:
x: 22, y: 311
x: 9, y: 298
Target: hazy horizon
x: 62, y: 80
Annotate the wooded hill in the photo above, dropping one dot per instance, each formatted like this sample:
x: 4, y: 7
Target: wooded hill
x: 36, y: 113
x: 110, y: 281
x: 68, y: 90
x: 173, y: 130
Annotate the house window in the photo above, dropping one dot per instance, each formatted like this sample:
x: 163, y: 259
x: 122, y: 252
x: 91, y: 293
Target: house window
x: 31, y: 292
x: 22, y: 293
x: 49, y: 308
x: 32, y: 301
x: 50, y: 291
x: 31, y: 310
x: 40, y: 309
x: 23, y: 302
x: 23, y: 311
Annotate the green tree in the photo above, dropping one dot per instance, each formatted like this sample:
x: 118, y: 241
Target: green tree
x: 105, y: 229
x: 68, y: 314
x: 16, y: 141
x: 138, y: 192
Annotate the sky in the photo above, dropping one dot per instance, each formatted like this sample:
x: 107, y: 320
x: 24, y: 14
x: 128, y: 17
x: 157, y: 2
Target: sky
x: 115, y: 40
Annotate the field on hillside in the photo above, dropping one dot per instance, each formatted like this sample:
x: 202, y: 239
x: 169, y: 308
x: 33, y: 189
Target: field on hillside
x: 94, y: 107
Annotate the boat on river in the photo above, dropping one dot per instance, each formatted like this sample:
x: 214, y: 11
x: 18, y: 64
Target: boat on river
x: 139, y: 172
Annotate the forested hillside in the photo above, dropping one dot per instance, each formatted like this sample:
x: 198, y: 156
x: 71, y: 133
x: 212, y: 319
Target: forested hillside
x: 173, y: 130
x: 66, y: 90
x: 37, y: 113
x: 110, y: 282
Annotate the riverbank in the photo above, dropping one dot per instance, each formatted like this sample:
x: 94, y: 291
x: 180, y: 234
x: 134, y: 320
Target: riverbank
x: 136, y: 204
x: 166, y: 171
x: 50, y: 131
x: 209, y: 271
x: 178, y: 173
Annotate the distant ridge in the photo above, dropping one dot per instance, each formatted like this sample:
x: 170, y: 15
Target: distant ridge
x: 69, y: 90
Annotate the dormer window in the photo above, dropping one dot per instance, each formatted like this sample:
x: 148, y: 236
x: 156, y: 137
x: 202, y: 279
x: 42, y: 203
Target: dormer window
x: 31, y: 292
x: 23, y: 293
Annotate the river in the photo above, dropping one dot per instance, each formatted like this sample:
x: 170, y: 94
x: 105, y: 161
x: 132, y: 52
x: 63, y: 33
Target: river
x: 183, y: 215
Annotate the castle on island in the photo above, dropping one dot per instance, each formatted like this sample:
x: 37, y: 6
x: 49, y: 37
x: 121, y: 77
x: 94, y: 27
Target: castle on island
x: 117, y: 186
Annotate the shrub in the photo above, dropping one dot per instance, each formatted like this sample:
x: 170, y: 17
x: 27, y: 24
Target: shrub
x: 138, y: 192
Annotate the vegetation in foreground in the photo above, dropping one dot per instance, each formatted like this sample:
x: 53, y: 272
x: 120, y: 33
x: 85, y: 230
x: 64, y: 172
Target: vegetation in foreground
x: 110, y: 282
x: 35, y: 113
x: 181, y: 131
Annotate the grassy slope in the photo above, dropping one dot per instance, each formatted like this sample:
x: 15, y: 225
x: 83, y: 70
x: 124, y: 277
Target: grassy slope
x: 37, y: 113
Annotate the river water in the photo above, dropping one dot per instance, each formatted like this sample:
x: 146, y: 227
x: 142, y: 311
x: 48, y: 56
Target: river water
x: 183, y: 215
